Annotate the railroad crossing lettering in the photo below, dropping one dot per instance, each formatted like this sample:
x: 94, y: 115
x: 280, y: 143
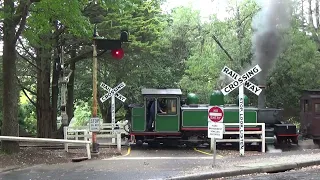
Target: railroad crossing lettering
x: 120, y: 97
x: 241, y: 80
x: 113, y: 91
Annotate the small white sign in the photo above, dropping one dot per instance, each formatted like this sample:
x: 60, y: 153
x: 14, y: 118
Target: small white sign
x: 215, y: 130
x: 94, y: 125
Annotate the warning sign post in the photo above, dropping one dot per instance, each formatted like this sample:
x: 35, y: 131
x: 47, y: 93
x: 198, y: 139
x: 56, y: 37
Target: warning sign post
x: 215, y: 127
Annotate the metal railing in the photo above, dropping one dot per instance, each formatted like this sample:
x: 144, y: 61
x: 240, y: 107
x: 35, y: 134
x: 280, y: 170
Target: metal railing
x: 105, y: 132
x: 262, y: 138
x: 48, y: 140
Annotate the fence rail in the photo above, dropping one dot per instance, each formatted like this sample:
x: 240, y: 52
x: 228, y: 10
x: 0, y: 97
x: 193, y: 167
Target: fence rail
x: 65, y: 141
x: 105, y: 132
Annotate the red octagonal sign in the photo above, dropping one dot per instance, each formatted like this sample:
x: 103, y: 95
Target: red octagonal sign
x: 215, y: 114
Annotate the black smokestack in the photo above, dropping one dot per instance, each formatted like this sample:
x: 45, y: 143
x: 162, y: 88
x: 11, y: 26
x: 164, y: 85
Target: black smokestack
x: 269, y: 24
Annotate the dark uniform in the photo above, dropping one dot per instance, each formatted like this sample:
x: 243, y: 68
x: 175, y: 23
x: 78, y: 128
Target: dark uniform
x: 153, y: 114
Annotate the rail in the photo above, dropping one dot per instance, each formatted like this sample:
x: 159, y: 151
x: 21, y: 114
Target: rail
x: 65, y: 141
x: 262, y: 138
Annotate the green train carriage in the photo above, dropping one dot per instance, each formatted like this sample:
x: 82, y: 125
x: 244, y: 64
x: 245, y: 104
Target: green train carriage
x: 186, y: 122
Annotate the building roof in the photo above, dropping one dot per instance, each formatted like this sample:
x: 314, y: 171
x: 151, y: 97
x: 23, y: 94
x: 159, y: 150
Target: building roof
x: 146, y: 91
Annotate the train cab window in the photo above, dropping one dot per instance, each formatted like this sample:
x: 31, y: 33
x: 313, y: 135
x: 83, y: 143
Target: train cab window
x: 317, y: 108
x: 169, y: 106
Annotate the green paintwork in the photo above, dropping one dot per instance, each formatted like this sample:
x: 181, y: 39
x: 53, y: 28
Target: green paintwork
x: 246, y: 100
x: 138, y: 119
x: 192, y: 99
x: 167, y: 123
x: 216, y: 98
x: 198, y: 117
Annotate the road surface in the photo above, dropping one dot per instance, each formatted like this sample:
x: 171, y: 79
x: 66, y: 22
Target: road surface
x: 137, y: 164
x: 308, y: 173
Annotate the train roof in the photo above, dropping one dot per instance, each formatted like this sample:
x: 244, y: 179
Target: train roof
x: 311, y: 90
x: 147, y: 91
x: 310, y: 93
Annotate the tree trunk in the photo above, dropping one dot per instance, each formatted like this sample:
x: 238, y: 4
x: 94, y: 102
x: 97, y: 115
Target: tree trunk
x: 10, y: 125
x: 55, y: 94
x: 70, y: 88
x: 44, y: 110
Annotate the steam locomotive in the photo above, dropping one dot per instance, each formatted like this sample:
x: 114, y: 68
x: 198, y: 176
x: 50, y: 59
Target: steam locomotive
x: 186, y: 121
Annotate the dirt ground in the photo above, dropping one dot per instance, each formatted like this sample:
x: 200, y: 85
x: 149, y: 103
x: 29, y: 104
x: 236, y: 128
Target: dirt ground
x: 37, y: 155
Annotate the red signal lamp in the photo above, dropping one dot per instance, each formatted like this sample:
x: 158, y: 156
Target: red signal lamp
x: 117, y: 53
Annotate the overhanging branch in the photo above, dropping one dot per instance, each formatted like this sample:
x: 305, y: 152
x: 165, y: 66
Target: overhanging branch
x: 81, y: 57
x: 220, y: 45
x: 25, y: 93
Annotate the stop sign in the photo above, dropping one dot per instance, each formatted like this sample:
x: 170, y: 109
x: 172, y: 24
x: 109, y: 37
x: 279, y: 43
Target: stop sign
x: 215, y: 114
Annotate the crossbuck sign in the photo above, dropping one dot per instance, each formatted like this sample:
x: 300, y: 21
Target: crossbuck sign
x: 113, y: 93
x: 240, y: 81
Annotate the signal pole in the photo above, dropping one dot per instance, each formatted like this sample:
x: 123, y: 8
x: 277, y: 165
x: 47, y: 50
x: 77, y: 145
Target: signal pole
x: 94, y: 93
x: 102, y: 44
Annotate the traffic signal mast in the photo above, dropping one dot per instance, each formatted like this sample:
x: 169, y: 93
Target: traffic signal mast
x: 114, y: 45
x: 99, y: 43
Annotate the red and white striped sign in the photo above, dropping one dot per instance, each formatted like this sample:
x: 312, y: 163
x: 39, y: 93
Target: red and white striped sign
x: 215, y: 114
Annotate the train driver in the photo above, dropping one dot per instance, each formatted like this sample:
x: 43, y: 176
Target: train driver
x: 152, y: 113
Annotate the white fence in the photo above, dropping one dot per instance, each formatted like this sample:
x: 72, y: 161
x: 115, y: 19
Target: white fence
x: 13, y: 138
x: 105, y: 132
x: 262, y: 138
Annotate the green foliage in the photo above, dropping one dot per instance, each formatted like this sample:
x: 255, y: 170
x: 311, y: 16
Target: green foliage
x: 82, y: 113
x: 67, y: 13
x: 146, y: 62
x: 28, y: 118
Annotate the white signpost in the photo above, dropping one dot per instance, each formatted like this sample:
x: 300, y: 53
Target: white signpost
x: 215, y: 127
x: 113, y: 93
x: 241, y: 81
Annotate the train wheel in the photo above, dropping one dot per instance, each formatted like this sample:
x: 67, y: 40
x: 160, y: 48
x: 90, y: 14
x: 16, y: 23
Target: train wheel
x: 139, y: 143
x: 295, y: 141
x: 190, y: 145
